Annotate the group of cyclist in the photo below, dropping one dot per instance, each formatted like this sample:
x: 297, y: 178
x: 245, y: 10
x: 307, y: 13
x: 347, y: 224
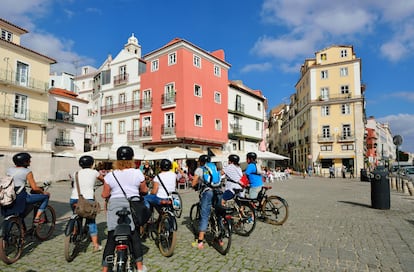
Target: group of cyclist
x: 125, y: 177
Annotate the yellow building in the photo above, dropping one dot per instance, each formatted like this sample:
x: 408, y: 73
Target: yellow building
x: 326, y: 119
x: 24, y: 77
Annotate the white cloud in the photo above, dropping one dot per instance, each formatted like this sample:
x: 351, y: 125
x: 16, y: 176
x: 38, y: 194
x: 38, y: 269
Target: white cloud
x: 257, y: 67
x: 406, y: 96
x: 402, y: 124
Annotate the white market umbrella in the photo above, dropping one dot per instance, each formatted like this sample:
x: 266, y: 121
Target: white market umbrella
x: 267, y: 155
x: 174, y: 153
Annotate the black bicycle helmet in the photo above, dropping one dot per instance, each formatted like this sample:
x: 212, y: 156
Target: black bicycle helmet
x: 204, y: 159
x: 124, y: 153
x: 86, y: 161
x: 22, y: 159
x: 165, y: 165
x: 252, y: 156
x: 234, y: 158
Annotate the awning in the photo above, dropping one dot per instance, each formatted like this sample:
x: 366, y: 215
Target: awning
x: 216, y: 151
x: 336, y: 156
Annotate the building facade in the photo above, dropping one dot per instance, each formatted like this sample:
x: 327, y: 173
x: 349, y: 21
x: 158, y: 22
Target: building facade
x: 326, y: 119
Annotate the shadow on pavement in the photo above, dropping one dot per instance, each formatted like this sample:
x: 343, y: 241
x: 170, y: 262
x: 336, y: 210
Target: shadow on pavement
x: 356, y: 204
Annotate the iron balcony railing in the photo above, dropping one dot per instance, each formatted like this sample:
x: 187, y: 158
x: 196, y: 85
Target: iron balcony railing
x: 120, y: 107
x: 236, y: 129
x: 167, y: 130
x: 106, y: 138
x: 325, y: 138
x: 11, y: 112
x: 64, y: 117
x: 16, y: 79
x: 139, y: 134
x: 121, y: 79
x: 346, y: 138
x: 64, y: 142
x: 168, y: 99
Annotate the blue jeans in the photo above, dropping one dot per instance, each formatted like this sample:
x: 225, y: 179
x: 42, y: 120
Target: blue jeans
x: 93, y: 228
x: 35, y: 198
x: 254, y: 192
x: 151, y: 200
x: 205, y: 209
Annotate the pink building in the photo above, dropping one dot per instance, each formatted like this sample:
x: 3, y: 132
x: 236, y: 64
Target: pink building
x: 184, y: 94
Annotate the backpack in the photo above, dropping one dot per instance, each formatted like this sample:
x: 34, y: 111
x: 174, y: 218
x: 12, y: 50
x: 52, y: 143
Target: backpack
x: 211, y: 176
x: 7, y: 192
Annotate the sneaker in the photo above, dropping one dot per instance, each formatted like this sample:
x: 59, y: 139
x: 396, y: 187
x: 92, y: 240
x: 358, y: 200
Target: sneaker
x: 197, y: 244
x: 144, y: 269
x: 220, y: 242
x: 39, y: 220
x: 97, y: 249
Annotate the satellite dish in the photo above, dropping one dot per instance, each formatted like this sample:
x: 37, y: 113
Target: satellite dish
x: 397, y: 140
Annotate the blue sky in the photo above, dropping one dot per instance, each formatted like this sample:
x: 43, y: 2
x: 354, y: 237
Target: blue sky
x: 265, y: 41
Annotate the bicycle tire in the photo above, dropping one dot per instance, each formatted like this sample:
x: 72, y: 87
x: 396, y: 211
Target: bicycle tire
x: 222, y: 242
x: 121, y: 260
x: 195, y: 217
x: 275, y: 209
x: 44, y: 230
x: 11, y: 243
x: 244, y: 219
x: 178, y: 212
x: 71, y: 243
x: 167, y: 235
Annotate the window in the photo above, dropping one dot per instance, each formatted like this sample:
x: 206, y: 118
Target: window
x: 169, y: 124
x: 346, y: 131
x: 75, y: 110
x: 20, y: 106
x: 323, y: 56
x: 17, y: 137
x: 347, y: 147
x: 198, y: 120
x: 169, y: 94
x: 217, y: 124
x: 121, y: 127
x: 146, y: 99
x: 197, y: 61
x: 326, y: 133
x: 122, y: 72
x: 326, y: 147
x: 344, y: 89
x: 122, y: 98
x: 257, y: 126
x: 108, y: 101
x: 6, y: 35
x: 343, y: 71
x: 259, y: 106
x: 108, y: 128
x: 172, y: 58
x: 197, y: 90
x: 106, y: 77
x: 238, y: 106
x: 324, y: 74
x: 154, y: 65
x: 325, y: 110
x: 217, y: 70
x: 22, y: 73
x: 344, y: 53
x: 345, y: 109
x: 135, y: 97
x: 324, y: 93
x: 146, y: 126
x: 217, y: 97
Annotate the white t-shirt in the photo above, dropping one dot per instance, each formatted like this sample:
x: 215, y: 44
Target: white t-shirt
x: 130, y: 180
x: 87, y: 178
x: 169, y: 179
x: 234, y: 173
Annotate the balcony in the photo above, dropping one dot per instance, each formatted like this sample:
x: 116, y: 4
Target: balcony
x: 239, y: 108
x: 340, y: 96
x: 12, y: 113
x: 106, y: 138
x: 168, y: 100
x: 120, y: 108
x: 121, y: 79
x: 10, y: 77
x: 64, y: 142
x: 167, y: 130
x: 325, y: 139
x: 236, y: 129
x: 146, y: 104
x: 140, y: 134
x: 346, y: 138
x: 64, y: 117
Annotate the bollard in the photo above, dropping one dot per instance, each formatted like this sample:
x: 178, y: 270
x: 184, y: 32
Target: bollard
x: 393, y: 183
x: 411, y: 188
x: 405, y: 187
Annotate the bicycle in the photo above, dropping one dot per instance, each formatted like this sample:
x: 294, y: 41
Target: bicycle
x: 219, y: 229
x: 14, y: 229
x: 243, y: 214
x: 163, y: 230
x: 271, y: 209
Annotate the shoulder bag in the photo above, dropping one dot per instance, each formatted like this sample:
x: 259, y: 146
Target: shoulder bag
x: 140, y: 213
x: 85, y: 208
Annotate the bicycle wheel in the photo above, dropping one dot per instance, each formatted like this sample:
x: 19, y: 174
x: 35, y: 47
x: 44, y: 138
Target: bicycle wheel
x: 222, y: 239
x: 167, y: 235
x: 72, y: 242
x: 244, y: 219
x: 11, y: 244
x: 45, y: 229
x: 121, y: 260
x: 178, y: 209
x: 275, y: 209
x: 195, y: 217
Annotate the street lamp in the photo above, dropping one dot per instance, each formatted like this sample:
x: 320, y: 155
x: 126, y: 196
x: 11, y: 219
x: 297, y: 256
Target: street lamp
x: 398, y: 140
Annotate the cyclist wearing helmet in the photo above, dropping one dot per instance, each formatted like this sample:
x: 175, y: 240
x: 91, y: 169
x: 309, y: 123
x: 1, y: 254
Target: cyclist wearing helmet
x: 86, y: 179
x: 233, y: 174
x: 253, y: 174
x: 133, y: 183
x: 22, y: 174
x: 158, y: 192
x: 205, y: 200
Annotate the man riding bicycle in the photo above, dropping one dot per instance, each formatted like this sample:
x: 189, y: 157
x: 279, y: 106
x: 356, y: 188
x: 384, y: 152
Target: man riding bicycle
x: 22, y: 174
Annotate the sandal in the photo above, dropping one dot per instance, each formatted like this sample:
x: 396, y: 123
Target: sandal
x: 39, y: 220
x: 97, y: 249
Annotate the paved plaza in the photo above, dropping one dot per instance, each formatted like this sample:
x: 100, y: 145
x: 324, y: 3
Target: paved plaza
x: 331, y: 227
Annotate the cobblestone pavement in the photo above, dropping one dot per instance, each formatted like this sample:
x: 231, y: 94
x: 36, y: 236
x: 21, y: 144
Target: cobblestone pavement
x: 331, y: 227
